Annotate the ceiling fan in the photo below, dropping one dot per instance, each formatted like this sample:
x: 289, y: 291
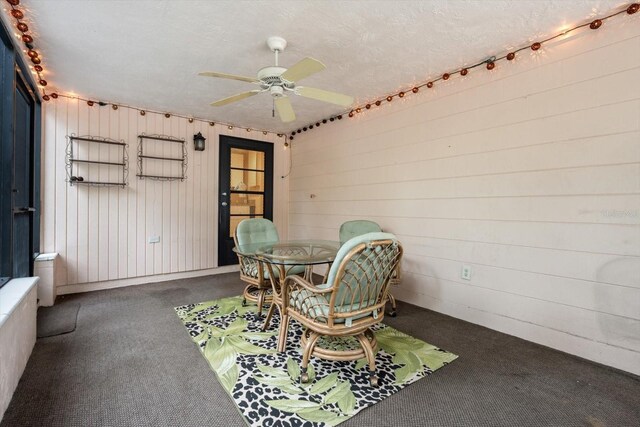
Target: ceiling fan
x: 280, y: 82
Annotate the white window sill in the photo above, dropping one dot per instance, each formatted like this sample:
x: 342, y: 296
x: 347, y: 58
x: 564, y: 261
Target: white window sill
x: 12, y: 294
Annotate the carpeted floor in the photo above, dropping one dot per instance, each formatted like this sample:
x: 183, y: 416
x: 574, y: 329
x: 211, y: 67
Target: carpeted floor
x: 130, y: 363
x: 58, y: 319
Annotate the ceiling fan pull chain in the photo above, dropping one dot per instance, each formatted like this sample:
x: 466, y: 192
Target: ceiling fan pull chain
x: 273, y: 107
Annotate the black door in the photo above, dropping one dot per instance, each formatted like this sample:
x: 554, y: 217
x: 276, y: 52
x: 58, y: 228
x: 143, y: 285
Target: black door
x: 246, y: 189
x: 22, y: 206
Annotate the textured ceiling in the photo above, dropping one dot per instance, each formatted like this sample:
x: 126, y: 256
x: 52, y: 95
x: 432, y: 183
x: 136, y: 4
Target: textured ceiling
x: 148, y: 53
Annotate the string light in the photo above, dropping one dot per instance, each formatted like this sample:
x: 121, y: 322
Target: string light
x: 34, y: 56
x: 490, y: 63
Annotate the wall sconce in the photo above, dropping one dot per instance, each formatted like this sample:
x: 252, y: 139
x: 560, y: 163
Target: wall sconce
x: 198, y: 141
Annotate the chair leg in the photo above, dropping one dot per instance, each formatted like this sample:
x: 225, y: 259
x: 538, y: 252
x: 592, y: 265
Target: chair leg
x: 265, y: 325
x: 261, y: 294
x: 306, y: 355
x: 392, y: 301
x: 371, y: 358
x: 284, y: 328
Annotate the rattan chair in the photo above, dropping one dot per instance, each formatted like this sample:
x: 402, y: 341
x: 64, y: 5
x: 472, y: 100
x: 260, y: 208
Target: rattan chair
x: 351, y: 229
x: 254, y: 272
x: 346, y: 307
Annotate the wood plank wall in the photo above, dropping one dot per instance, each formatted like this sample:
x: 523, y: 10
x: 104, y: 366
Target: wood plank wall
x: 530, y: 174
x: 102, y: 233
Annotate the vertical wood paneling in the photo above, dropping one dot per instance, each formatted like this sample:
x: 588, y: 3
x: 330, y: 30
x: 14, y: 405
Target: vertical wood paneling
x: 72, y: 204
x: 132, y: 217
x: 104, y: 205
x: 102, y: 232
x: 529, y: 174
x: 123, y: 201
x: 60, y: 220
x: 113, y: 197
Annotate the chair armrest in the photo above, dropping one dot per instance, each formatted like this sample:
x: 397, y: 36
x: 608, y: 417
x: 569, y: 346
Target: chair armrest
x: 251, y: 267
x: 297, y: 282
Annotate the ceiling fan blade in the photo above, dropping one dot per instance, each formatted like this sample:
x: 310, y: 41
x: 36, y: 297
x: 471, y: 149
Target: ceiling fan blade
x: 234, y: 98
x: 325, y: 95
x: 302, y: 69
x: 229, y: 76
x: 285, y: 110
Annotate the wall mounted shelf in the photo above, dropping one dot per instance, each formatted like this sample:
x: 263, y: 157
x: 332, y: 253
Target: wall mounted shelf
x: 73, y: 162
x: 149, y: 159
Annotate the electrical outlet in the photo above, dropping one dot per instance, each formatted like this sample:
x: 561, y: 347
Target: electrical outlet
x: 465, y: 273
x: 154, y: 239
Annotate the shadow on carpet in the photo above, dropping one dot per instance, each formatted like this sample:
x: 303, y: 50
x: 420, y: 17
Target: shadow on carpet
x: 264, y: 384
x: 57, y: 320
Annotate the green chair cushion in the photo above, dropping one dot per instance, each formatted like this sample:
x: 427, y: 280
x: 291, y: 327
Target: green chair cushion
x: 350, y: 244
x: 316, y: 306
x: 256, y: 230
x: 351, y: 229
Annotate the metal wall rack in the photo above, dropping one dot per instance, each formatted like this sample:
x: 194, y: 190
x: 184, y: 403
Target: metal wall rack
x: 73, y: 174
x: 145, y: 156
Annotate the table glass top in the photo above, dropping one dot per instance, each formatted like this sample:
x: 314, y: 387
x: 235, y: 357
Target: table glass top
x: 298, y: 252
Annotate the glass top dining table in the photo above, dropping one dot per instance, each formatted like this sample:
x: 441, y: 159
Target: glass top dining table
x: 291, y: 252
x: 284, y: 256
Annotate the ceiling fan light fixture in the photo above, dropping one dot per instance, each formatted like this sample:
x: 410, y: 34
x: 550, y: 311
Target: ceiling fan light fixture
x: 277, y: 80
x: 276, y: 91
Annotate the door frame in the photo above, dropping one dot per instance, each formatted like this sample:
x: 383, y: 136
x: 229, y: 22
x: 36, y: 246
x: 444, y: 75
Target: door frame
x: 14, y: 72
x: 225, y: 243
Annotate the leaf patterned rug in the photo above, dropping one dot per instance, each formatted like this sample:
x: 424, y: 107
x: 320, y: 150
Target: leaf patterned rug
x: 264, y: 384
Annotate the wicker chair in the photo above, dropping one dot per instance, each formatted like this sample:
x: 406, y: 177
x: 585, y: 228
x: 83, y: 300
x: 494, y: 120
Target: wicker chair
x: 253, y: 272
x: 351, y: 301
x: 351, y: 229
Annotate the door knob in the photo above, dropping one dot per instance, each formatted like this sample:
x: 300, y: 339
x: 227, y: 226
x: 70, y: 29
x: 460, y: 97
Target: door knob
x: 224, y: 203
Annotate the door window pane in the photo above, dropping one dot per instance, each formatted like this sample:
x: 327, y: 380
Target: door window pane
x: 247, y: 204
x: 242, y: 180
x: 247, y: 159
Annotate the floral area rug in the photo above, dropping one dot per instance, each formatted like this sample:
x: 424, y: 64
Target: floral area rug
x: 264, y: 384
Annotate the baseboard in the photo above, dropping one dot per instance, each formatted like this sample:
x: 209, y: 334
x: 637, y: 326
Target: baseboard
x: 132, y: 281
x: 602, y: 353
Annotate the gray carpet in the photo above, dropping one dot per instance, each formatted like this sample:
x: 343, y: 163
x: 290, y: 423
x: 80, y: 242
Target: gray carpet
x: 131, y: 363
x: 57, y: 320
